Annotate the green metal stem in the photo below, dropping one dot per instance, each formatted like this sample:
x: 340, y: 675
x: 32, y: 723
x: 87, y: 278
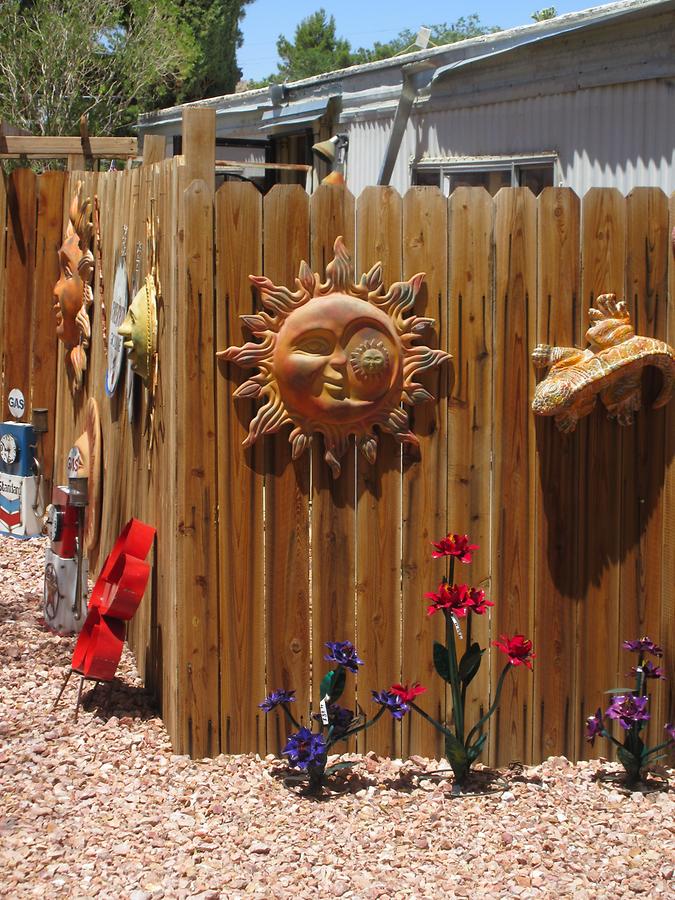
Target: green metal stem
x: 494, y: 706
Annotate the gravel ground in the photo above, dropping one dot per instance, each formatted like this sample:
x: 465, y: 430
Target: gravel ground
x: 102, y: 808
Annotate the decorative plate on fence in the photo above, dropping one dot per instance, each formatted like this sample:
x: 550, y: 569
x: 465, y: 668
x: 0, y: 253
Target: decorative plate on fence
x: 336, y: 358
x: 117, y: 315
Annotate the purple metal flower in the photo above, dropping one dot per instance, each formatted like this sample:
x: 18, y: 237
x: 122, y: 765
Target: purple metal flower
x: 275, y: 698
x: 643, y: 645
x: 393, y: 703
x: 305, y: 749
x: 670, y: 731
x: 344, y: 654
x: 594, y: 726
x: 628, y: 709
x: 339, y: 718
x: 649, y: 670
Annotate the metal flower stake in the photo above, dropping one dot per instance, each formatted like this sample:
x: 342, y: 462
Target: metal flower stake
x: 459, y: 601
x: 307, y: 750
x: 630, y: 709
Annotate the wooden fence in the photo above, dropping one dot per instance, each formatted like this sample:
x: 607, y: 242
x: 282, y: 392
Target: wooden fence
x: 260, y: 560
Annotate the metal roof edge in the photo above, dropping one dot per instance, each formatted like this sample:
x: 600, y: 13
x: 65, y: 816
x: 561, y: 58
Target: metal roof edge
x: 494, y: 44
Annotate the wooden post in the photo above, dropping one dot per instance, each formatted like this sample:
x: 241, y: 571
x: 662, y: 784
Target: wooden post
x: 154, y: 149
x: 199, y: 145
x: 198, y: 731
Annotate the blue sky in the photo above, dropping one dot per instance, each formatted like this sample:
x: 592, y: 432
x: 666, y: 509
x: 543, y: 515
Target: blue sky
x: 363, y: 22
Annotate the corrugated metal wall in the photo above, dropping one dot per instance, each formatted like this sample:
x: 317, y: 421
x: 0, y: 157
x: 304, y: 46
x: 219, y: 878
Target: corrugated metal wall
x: 620, y: 136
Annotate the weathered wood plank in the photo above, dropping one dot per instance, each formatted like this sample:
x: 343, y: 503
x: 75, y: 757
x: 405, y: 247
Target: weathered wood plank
x: 3, y: 287
x: 644, y: 442
x: 43, y: 351
x: 196, y: 549
x: 470, y: 417
x: 424, y: 499
x: 333, y: 500
x: 20, y: 263
x: 199, y: 144
x: 240, y: 480
x: 378, y: 558
x: 556, y: 486
x: 287, y: 489
x: 154, y: 149
x: 664, y: 709
x: 603, y: 245
x: 515, y: 298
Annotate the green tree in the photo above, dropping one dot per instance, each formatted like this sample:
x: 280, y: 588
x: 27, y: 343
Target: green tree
x: 316, y: 48
x: 541, y: 15
x: 60, y: 60
x: 209, y: 31
x: 442, y: 33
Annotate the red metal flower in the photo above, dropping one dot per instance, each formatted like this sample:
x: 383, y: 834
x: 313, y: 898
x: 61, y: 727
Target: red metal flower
x: 407, y: 694
x: 455, y: 597
x: 477, y: 602
x: 517, y: 648
x: 456, y: 545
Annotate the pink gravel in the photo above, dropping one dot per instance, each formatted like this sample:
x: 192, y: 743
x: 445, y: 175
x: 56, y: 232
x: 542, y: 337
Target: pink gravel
x: 102, y: 808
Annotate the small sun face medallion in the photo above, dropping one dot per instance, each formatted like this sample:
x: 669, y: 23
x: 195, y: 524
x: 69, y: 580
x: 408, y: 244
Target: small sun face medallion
x: 336, y: 358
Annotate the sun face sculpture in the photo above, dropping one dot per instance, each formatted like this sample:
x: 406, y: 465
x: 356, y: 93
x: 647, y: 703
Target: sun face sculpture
x: 336, y: 358
x: 72, y: 292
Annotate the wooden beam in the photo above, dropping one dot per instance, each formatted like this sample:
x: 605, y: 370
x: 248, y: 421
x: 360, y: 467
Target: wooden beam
x: 237, y: 164
x: 55, y: 147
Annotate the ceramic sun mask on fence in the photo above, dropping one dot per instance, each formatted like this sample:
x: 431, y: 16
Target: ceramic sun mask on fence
x: 72, y: 292
x: 611, y: 367
x: 336, y: 358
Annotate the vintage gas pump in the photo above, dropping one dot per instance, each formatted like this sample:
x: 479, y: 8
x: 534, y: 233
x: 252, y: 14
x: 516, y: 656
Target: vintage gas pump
x: 66, y: 567
x: 21, y: 503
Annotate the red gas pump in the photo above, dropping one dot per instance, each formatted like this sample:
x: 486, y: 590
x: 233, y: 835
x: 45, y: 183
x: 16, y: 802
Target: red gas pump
x: 66, y: 567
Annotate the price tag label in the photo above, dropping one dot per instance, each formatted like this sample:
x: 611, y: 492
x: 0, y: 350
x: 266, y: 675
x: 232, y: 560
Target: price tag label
x: 323, y: 706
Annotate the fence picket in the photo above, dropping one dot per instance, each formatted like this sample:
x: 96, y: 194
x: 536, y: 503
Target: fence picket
x: 378, y: 559
x: 48, y: 240
x: 287, y: 490
x: 19, y: 299
x: 603, y: 254
x: 513, y: 525
x: 240, y: 479
x: 644, y: 442
x: 333, y: 507
x: 424, y: 512
x: 470, y: 413
x: 555, y: 485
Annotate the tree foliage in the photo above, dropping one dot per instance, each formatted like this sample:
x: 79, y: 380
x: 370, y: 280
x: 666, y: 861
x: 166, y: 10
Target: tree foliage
x: 540, y: 15
x: 316, y: 47
x: 111, y: 59
x: 210, y: 31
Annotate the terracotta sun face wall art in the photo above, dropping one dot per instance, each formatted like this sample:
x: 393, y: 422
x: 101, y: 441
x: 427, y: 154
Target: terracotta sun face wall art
x: 336, y: 358
x: 610, y: 367
x: 72, y: 292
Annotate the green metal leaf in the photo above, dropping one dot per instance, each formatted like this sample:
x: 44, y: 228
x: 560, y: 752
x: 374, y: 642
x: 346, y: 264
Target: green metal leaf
x: 441, y: 661
x: 338, y: 685
x: 342, y: 765
x: 326, y: 683
x: 474, y: 751
x: 457, y: 756
x: 470, y: 663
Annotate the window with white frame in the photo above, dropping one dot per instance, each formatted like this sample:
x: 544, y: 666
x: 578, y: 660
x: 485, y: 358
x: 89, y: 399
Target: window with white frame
x: 493, y: 173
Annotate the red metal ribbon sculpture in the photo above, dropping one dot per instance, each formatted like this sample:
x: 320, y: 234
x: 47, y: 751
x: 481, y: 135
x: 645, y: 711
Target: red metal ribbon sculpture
x: 114, y: 600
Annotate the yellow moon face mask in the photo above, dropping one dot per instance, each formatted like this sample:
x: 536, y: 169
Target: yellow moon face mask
x: 139, y: 331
